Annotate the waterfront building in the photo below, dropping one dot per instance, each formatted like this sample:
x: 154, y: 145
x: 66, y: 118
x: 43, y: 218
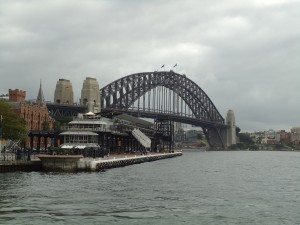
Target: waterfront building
x: 112, y: 134
x: 295, y: 135
x: 35, y: 114
x: 272, y: 142
x: 283, y: 136
x: 271, y: 137
x: 64, y: 92
x: 81, y: 132
x: 271, y: 134
x: 193, y: 135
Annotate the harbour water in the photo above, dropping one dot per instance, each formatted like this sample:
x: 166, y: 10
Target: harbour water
x: 240, y: 187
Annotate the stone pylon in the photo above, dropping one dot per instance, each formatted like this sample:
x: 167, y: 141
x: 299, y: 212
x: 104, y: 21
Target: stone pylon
x: 231, y: 128
x: 64, y: 92
x: 90, y: 95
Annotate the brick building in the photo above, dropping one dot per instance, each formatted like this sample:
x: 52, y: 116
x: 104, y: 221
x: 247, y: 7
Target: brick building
x: 35, y: 114
x: 283, y: 136
x: 295, y: 135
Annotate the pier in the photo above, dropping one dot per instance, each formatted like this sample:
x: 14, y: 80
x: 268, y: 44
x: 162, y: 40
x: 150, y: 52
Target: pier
x: 96, y: 165
x: 76, y: 163
x: 26, y: 166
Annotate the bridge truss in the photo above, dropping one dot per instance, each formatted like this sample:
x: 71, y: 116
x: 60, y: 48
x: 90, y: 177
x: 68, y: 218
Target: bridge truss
x: 65, y: 110
x: 165, y: 96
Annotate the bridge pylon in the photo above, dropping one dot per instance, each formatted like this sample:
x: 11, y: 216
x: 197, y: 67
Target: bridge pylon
x: 231, y: 129
x: 215, y: 137
x: 90, y: 95
x: 222, y: 137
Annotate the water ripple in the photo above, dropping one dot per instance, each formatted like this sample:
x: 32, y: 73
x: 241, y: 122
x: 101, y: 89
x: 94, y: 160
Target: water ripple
x: 197, y: 188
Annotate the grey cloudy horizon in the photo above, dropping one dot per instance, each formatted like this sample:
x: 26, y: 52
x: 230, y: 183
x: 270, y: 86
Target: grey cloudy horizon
x: 243, y: 54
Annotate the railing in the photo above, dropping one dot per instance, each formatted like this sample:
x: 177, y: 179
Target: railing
x: 65, y: 128
x: 11, y: 152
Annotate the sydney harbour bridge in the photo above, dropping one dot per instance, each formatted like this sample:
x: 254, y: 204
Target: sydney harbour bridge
x: 163, y: 96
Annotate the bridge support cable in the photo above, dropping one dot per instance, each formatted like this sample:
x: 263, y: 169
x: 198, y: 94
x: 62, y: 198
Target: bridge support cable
x: 153, y: 100
x: 149, y: 94
x: 170, y: 101
x: 181, y: 107
x: 173, y: 102
x: 177, y: 103
x: 158, y: 99
x: 162, y: 99
x: 166, y: 100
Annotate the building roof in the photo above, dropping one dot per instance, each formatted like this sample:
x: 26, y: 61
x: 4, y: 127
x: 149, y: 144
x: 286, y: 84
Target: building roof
x: 90, y: 114
x: 134, y: 120
x: 87, y: 122
x: 89, y: 133
x: 79, y: 146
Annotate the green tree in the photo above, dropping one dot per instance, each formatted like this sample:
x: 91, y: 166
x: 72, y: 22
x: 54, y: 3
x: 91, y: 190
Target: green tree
x: 46, y: 125
x: 237, y: 130
x: 57, y: 126
x: 13, y: 127
x: 245, y: 138
x: 60, y: 122
x: 199, y: 136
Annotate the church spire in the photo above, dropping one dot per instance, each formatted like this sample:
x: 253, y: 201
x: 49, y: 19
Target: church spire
x: 40, y: 98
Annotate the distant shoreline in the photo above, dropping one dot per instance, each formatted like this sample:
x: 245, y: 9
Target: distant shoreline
x: 252, y: 150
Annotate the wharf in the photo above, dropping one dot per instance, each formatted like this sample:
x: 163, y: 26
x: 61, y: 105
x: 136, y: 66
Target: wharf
x: 26, y: 166
x: 76, y: 163
x: 121, y: 161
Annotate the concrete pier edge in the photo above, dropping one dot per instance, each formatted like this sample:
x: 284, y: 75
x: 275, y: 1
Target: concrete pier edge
x: 121, y: 162
x: 25, y: 166
x: 71, y: 163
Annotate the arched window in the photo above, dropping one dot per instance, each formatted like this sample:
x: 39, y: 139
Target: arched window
x: 85, y: 101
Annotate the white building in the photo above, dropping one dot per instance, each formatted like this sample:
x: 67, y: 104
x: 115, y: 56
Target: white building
x: 81, y: 131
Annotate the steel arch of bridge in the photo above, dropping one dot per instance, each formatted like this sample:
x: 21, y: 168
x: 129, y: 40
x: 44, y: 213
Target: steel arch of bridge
x: 121, y: 94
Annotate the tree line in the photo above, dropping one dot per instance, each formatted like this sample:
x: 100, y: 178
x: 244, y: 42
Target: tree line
x: 11, y: 125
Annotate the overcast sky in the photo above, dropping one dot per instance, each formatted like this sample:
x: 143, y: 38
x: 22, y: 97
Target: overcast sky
x: 244, y: 54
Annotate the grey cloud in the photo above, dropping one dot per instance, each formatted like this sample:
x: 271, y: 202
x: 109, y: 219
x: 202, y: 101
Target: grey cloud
x: 244, y: 55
